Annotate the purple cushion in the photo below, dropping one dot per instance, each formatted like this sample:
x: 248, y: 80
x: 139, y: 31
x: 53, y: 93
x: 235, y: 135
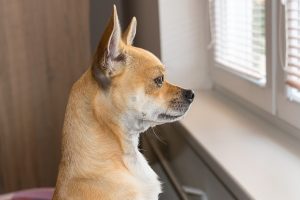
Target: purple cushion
x: 31, y: 194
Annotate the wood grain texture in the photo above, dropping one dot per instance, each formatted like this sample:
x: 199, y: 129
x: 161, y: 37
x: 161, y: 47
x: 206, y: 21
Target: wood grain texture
x: 44, y: 47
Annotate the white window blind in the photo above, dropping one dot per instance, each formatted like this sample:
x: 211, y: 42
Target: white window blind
x: 292, y: 67
x: 239, y: 37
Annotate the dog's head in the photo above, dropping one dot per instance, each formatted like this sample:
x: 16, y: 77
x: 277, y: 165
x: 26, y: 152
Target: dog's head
x: 132, y: 81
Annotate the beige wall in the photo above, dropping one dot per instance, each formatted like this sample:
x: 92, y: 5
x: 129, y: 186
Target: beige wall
x: 178, y: 32
x: 184, y: 36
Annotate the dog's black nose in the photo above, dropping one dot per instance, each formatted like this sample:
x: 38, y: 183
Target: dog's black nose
x: 188, y: 95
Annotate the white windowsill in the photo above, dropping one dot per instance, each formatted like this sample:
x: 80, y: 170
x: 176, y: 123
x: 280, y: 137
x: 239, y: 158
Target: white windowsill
x: 248, y: 152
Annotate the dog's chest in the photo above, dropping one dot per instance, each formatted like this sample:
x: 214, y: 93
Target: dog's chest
x: 146, y: 178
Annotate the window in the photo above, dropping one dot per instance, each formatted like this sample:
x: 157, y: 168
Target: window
x: 242, y: 52
x: 256, y: 53
x: 240, y: 37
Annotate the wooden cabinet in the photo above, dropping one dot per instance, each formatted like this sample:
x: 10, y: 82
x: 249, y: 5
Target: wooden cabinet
x: 44, y: 48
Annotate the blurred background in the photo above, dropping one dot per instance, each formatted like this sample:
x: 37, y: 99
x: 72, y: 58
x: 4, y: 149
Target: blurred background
x: 46, y: 45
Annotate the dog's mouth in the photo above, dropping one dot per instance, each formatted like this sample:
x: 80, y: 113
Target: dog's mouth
x: 168, y: 117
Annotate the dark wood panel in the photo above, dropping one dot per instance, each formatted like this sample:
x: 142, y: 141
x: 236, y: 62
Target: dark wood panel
x: 44, y: 47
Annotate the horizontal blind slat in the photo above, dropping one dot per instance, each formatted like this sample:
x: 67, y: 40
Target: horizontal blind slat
x: 236, y: 52
x: 293, y: 72
x: 293, y: 29
x: 294, y: 47
x: 246, y: 30
x: 293, y: 19
x: 293, y: 84
x: 241, y: 43
x: 236, y: 67
x: 293, y: 10
x: 232, y: 38
x: 249, y: 64
x: 294, y: 56
x: 294, y: 37
x: 294, y: 65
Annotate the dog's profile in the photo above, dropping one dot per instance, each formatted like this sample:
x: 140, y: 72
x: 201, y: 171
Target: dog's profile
x: 121, y: 95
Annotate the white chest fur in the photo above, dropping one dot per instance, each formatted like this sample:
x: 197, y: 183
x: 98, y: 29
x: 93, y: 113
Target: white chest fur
x: 146, y: 178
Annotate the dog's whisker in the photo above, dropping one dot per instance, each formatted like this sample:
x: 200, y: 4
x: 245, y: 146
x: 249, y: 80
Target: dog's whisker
x: 158, y: 138
x: 143, y: 149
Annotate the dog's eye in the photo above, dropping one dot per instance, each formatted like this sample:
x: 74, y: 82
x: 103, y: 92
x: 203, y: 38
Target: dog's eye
x: 159, y: 81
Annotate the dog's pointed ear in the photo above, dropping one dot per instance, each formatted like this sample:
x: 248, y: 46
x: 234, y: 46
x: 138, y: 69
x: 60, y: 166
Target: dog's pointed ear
x: 110, y: 40
x: 108, y: 51
x: 129, y: 34
x: 109, y: 46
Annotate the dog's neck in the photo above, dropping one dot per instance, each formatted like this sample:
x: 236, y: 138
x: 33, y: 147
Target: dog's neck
x: 96, y: 140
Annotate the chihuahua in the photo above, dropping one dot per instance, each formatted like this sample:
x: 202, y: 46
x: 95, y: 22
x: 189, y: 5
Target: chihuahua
x: 122, y: 94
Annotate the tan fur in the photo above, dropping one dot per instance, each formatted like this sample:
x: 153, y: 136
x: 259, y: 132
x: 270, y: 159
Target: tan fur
x: 100, y: 159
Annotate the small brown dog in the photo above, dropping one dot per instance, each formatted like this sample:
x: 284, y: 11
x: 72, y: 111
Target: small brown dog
x: 121, y: 95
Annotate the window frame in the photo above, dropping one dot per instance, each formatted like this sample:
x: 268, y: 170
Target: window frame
x: 287, y: 110
x: 243, y: 86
